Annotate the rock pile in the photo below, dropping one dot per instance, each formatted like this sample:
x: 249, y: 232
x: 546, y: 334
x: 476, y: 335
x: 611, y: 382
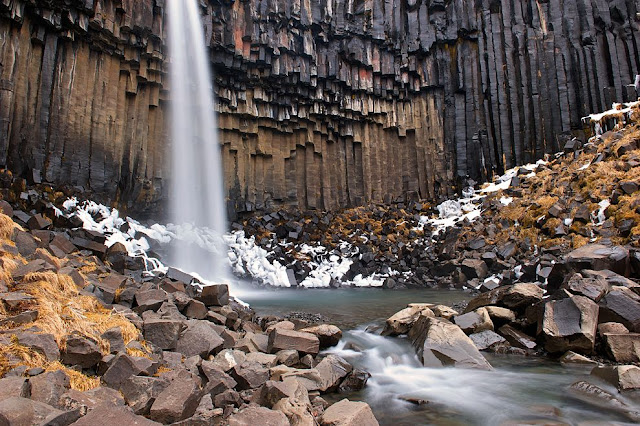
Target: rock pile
x: 86, y: 337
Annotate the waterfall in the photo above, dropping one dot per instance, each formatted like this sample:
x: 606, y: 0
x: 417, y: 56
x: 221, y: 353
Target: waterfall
x: 197, y: 188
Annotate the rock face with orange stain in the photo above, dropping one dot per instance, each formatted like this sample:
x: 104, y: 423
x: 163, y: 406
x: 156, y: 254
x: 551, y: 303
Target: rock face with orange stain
x: 320, y: 104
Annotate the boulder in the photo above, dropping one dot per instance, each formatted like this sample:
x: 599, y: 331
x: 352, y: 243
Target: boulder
x: 486, y: 339
x: 517, y: 338
x: 92, y: 399
x: 571, y: 357
x: 250, y: 375
x: 14, y: 386
x: 569, y: 325
x: 474, y: 322
x: 444, y: 311
x: 500, y: 315
x: 122, y: 368
x: 329, y: 335
x: 22, y: 411
x: 163, y: 333
x: 623, y: 377
x: 229, y: 358
x: 150, y: 300
x: 287, y: 357
x: 227, y: 398
x: 309, y: 377
x: 474, y: 268
x: 113, y: 416
x: 519, y: 296
x: 217, y: 379
x: 622, y: 347
x: 43, y: 343
x: 49, y: 387
x: 268, y: 360
x: 196, y: 310
x: 38, y: 221
x: 215, y: 295
x: 176, y: 402
x: 599, y: 257
x: 332, y: 370
x: 355, y: 381
x: 348, y: 413
x: 281, y: 339
x: 440, y: 343
x: 593, y: 288
x: 199, y: 338
x: 612, y: 328
x: 253, y: 415
x: 402, y: 321
x: 621, y: 305
x: 140, y: 392
x: 115, y: 339
x: 81, y: 351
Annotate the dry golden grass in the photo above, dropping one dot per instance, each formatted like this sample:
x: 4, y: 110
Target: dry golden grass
x: 78, y: 381
x: 6, y: 227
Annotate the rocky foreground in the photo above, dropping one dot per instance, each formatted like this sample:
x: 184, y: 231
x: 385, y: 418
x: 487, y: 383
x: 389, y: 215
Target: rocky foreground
x: 88, y: 337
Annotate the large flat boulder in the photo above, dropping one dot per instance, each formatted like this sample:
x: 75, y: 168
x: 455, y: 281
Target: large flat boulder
x: 599, y: 257
x: 348, y: 413
x: 440, y: 343
x: 282, y: 339
x: 569, y: 325
x: 22, y: 411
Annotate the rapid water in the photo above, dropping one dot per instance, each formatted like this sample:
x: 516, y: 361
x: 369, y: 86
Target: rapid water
x: 197, y: 196
x: 520, y: 390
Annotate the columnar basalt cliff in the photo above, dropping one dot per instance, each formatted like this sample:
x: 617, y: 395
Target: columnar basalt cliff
x: 321, y: 104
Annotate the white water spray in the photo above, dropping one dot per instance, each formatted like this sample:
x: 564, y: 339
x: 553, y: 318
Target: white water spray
x: 197, y: 197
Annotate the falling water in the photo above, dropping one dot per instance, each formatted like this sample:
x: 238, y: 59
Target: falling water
x: 197, y: 199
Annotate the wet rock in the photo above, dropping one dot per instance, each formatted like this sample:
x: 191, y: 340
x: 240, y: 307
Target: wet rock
x: 281, y: 339
x: 199, y: 338
x: 517, y: 338
x: 439, y: 343
x: 329, y: 335
x: 22, y: 411
x: 599, y: 257
x: 622, y: 347
x: 593, y: 394
x: 113, y: 416
x: 253, y: 415
x: 140, y: 392
x: 402, y: 321
x: 474, y: 322
x: 623, y: 377
x: 332, y: 370
x: 80, y: 351
x: 215, y: 295
x: 355, y: 381
x: 486, y: 339
x: 621, y: 305
x: 569, y: 325
x: 574, y: 358
x: 348, y: 413
x: 176, y: 402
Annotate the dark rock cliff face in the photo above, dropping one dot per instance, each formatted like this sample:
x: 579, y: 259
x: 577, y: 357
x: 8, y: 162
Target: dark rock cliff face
x: 320, y: 104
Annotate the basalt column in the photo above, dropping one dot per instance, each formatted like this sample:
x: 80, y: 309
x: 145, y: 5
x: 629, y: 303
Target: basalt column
x: 322, y: 104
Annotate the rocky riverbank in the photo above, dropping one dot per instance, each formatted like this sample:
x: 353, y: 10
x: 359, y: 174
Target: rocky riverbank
x: 88, y: 336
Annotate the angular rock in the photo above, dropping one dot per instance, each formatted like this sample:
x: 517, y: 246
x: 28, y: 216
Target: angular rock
x: 215, y: 295
x: 38, y: 222
x: 329, y: 335
x: 599, y: 257
x: 623, y: 377
x: 474, y: 322
x: 474, y: 268
x: 612, y: 328
x: 574, y: 358
x: 355, y: 381
x: 332, y: 370
x: 150, y: 300
x: 217, y: 379
x: 43, y: 343
x: 115, y: 339
x: 250, y: 375
x: 196, y: 310
x: 49, y: 387
x: 500, y: 315
x: 199, y: 338
x: 163, y: 333
x: 227, y: 398
x: 520, y: 296
x: 229, y: 358
x: 623, y: 306
x: 81, y: 351
x: 113, y: 416
x: 439, y: 343
x: 622, y: 347
x: 288, y: 357
x: 22, y: 411
x: 176, y: 402
x: 348, y: 413
x: 593, y: 288
x: 282, y: 339
x: 122, y: 368
x: 140, y: 392
x: 569, y: 325
x: 253, y: 415
x: 445, y: 312
x: 517, y: 338
x: 14, y: 386
x: 486, y: 339
x: 402, y: 321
